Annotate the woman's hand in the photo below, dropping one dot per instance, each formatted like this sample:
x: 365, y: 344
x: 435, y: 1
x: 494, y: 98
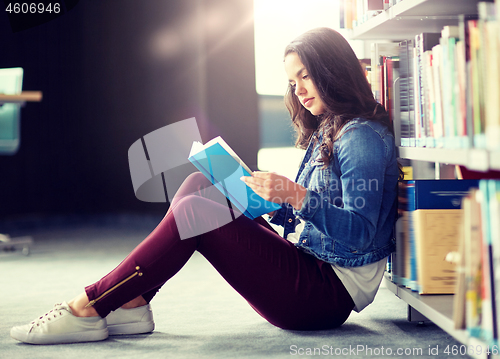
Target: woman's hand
x: 276, y: 188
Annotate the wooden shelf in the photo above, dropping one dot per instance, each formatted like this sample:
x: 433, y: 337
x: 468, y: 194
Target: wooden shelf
x: 474, y: 159
x: 438, y: 309
x: 408, y: 18
x: 25, y: 96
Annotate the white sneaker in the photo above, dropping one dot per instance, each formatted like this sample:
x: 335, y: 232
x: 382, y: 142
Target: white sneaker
x: 131, y: 321
x: 60, y: 326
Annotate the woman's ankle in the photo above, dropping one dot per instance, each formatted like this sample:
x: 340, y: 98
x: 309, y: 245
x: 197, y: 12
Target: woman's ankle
x: 79, y: 309
x: 135, y: 303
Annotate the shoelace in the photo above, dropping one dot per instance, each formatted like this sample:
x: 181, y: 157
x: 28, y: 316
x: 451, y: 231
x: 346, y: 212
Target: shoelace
x: 54, y: 313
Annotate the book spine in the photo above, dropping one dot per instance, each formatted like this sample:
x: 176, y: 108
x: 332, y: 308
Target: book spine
x: 381, y: 80
x: 486, y: 286
x: 436, y: 70
x: 494, y: 208
x: 459, y: 310
x: 445, y: 92
x: 430, y: 108
x: 451, y: 77
x: 417, y: 91
x: 348, y: 15
x: 406, y: 92
x: 473, y: 269
x: 489, y: 39
x: 476, y: 75
x: 459, y: 93
x: 467, y: 90
x: 342, y: 14
x: 413, y: 271
x: 392, y: 73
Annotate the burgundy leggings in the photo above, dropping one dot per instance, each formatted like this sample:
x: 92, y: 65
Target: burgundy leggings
x: 289, y: 288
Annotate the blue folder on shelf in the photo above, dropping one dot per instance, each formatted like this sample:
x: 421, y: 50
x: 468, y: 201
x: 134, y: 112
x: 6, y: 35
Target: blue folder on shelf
x: 220, y: 164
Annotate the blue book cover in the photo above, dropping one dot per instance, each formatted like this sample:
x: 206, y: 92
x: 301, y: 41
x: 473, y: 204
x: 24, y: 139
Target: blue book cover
x: 438, y: 194
x: 220, y: 164
x: 432, y: 194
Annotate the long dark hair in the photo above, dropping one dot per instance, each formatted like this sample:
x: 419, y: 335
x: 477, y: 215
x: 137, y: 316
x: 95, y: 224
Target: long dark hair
x: 342, y: 85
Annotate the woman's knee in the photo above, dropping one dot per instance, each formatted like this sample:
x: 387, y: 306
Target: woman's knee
x: 195, y: 215
x: 196, y: 178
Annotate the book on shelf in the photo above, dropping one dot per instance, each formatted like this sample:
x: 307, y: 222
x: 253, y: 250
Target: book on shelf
x: 379, y: 53
x: 489, y: 56
x: 423, y: 99
x: 459, y: 305
x: 356, y: 12
x: 422, y: 196
x: 494, y: 223
x: 449, y: 85
x: 477, y: 294
x: 488, y: 307
x: 406, y: 92
x: 436, y: 234
x: 222, y: 166
x: 391, y: 75
x: 447, y: 47
x: 399, y: 264
x: 472, y: 245
x: 384, y: 80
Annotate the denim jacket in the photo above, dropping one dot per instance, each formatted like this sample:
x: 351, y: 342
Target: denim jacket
x: 350, y: 207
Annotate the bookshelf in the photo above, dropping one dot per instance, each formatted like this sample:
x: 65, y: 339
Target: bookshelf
x: 403, y: 21
x: 439, y: 309
x: 407, y: 18
x: 474, y: 159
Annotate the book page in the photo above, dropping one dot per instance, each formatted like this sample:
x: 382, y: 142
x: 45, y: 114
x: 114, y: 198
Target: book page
x: 197, y: 147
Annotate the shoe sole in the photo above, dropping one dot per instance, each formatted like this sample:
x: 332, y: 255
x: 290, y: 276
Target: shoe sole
x: 131, y: 328
x: 90, y: 336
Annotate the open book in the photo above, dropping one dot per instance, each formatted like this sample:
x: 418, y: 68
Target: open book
x: 222, y: 166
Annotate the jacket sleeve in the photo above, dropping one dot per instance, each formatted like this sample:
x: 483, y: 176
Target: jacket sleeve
x: 279, y: 216
x: 362, y: 161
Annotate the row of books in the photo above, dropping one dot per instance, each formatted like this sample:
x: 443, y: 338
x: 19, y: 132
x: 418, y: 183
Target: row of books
x: 477, y: 293
x: 442, y: 89
x: 448, y: 242
x: 355, y: 12
x: 428, y: 229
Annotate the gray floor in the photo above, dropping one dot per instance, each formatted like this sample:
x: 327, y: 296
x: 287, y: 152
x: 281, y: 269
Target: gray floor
x: 197, y: 314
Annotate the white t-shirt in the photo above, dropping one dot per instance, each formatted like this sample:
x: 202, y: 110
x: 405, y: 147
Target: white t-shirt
x: 362, y: 283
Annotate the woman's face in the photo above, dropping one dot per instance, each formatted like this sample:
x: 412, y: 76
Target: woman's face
x: 302, y: 85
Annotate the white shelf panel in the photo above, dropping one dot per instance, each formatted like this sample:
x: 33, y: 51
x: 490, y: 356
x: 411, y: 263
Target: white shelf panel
x: 439, y: 309
x: 474, y: 159
x: 495, y: 160
x: 411, y: 17
x: 441, y: 155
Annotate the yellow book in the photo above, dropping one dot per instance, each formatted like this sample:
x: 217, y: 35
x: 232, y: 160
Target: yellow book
x: 436, y: 234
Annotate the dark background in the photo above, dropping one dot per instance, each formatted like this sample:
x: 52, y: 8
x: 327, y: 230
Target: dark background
x: 111, y: 72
